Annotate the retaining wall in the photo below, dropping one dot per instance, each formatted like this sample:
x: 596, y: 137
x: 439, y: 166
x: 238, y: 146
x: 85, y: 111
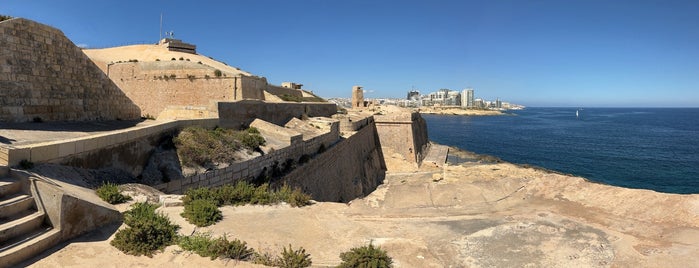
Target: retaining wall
x: 128, y: 149
x: 239, y: 114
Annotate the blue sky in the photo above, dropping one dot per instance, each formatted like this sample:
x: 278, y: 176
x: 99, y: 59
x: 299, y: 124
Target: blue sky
x: 537, y: 53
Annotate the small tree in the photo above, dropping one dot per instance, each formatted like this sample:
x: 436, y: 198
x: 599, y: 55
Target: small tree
x: 218, y: 73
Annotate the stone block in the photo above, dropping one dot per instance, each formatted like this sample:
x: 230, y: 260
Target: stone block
x: 170, y: 200
x: 66, y: 149
x: 44, y: 152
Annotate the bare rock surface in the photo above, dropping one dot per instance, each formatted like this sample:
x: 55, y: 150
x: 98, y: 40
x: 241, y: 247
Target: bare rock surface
x: 474, y: 212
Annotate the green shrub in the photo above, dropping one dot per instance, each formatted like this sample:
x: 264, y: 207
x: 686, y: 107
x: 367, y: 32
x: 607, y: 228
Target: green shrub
x: 289, y: 258
x: 26, y: 164
x: 109, y: 192
x: 243, y: 193
x: 294, y: 197
x: 4, y: 17
x: 292, y: 258
x: 217, y: 73
x: 221, y: 247
x: 147, y: 231
x: 365, y: 256
x: 202, y: 212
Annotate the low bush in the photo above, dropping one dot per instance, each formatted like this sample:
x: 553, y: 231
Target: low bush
x: 217, y: 73
x: 206, y: 246
x: 147, y: 231
x: 289, y: 258
x: 365, y: 256
x: 109, y: 192
x: 245, y: 193
x: 26, y: 164
x: 294, y: 258
x: 202, y: 212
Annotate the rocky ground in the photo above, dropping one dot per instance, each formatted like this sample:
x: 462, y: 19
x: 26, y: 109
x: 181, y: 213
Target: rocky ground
x: 474, y: 212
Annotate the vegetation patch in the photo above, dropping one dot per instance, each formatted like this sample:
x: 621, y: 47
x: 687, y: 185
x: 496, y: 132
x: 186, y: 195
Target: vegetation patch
x: 366, y: 256
x: 287, y: 97
x: 289, y: 258
x: 199, y: 146
x: 4, y: 17
x: 109, y: 192
x: 243, y: 193
x: 202, y: 212
x: 147, y: 231
x: 206, y: 246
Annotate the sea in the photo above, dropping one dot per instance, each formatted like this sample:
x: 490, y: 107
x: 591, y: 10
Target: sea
x: 645, y: 148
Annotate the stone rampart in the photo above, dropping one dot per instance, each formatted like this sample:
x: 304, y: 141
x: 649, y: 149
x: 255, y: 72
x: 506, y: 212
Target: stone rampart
x: 405, y: 134
x: 154, y: 86
x: 128, y: 149
x: 353, y: 168
x: 239, y: 114
x: 44, y: 76
x: 259, y: 167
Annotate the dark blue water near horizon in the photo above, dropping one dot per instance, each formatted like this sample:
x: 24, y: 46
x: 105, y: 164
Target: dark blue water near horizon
x: 646, y: 148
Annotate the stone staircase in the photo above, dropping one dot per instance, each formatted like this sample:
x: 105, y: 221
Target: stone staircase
x: 25, y: 229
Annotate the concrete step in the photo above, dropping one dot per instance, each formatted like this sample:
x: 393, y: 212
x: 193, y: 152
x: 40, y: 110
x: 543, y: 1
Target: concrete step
x: 9, y: 186
x: 23, y: 248
x: 21, y: 226
x: 15, y: 204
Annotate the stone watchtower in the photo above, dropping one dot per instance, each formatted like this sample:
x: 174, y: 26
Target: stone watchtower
x: 357, y: 97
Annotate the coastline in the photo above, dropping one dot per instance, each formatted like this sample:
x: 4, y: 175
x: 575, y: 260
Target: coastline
x: 459, y: 111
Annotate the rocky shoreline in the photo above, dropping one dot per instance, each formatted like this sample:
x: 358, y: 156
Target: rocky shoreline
x: 481, y: 212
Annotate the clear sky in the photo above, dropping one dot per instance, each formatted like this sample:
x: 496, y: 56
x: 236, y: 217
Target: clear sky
x: 538, y: 53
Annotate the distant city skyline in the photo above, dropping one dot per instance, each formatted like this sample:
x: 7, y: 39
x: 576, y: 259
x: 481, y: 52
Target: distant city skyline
x: 577, y: 53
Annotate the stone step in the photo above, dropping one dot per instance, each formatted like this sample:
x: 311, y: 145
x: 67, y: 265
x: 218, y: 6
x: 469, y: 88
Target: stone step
x: 21, y: 226
x: 15, y: 204
x: 14, y: 252
x: 9, y: 186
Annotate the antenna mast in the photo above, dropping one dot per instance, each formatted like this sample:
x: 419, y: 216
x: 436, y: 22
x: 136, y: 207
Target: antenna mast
x: 161, y: 26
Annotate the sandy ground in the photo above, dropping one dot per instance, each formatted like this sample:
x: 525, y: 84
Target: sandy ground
x: 474, y: 213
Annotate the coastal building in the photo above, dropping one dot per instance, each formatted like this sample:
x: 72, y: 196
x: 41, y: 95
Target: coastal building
x: 413, y: 95
x: 467, y: 98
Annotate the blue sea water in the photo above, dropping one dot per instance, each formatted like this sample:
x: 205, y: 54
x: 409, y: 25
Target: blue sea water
x: 647, y: 148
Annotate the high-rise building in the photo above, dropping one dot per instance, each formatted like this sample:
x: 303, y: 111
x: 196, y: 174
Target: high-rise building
x: 467, y: 98
x: 413, y: 95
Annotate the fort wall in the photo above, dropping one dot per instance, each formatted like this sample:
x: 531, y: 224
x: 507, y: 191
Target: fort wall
x: 397, y: 131
x: 353, y: 168
x: 262, y: 167
x: 239, y: 114
x: 44, y: 76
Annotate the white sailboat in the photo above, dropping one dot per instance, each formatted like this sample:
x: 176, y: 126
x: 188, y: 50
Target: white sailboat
x: 577, y: 113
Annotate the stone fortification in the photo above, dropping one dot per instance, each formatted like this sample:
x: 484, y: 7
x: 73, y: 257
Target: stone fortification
x: 166, y: 81
x: 351, y: 169
x: 404, y: 133
x: 44, y: 76
x: 241, y: 113
x: 290, y: 148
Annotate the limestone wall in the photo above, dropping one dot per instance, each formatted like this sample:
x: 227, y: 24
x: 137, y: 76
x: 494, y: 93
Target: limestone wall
x: 405, y: 134
x: 155, y: 86
x: 43, y: 75
x: 241, y: 113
